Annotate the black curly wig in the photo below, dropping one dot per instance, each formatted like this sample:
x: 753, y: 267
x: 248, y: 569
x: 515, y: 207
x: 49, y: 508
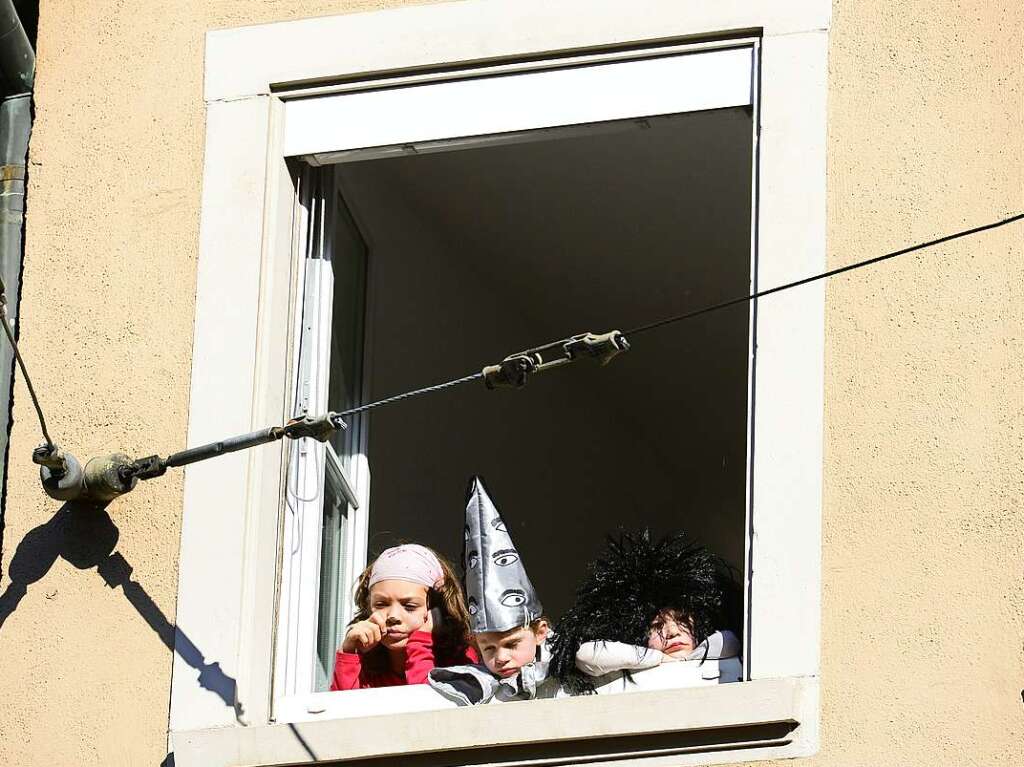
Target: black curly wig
x: 631, y: 583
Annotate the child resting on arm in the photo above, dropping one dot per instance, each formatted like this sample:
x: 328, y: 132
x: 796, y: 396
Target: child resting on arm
x: 505, y: 614
x: 393, y: 640
x: 643, y: 603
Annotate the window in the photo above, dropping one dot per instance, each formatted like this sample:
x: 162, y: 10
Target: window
x: 499, y: 242
x: 266, y: 139
x: 326, y: 492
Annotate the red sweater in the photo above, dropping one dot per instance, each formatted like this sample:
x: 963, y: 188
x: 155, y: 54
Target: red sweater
x: 349, y: 673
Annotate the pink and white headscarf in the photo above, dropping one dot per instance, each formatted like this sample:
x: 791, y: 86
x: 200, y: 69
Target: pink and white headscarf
x: 408, y: 562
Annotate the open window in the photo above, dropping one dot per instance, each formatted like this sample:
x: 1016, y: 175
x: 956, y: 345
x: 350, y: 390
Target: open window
x: 424, y: 261
x: 521, y: 169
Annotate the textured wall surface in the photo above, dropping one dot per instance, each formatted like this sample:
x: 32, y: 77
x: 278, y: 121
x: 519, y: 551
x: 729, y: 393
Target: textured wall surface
x: 108, y: 302
x: 923, y: 609
x: 923, y: 606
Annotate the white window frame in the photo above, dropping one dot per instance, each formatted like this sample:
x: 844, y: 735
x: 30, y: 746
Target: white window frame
x: 522, y: 105
x: 312, y: 464
x: 247, y: 283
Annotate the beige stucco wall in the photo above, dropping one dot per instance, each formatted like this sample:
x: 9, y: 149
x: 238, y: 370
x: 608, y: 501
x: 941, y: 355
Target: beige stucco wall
x: 923, y: 527
x: 923, y: 609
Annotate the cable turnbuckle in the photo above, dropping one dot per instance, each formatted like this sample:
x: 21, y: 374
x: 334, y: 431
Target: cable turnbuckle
x: 319, y: 428
x: 516, y: 368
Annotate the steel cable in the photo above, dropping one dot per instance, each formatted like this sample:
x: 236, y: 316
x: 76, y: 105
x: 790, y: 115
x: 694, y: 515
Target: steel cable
x: 816, y: 277
x: 24, y: 371
x: 408, y: 394
x: 713, y: 307
x: 336, y: 418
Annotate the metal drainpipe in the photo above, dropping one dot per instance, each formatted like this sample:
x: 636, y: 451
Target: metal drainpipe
x: 17, y: 71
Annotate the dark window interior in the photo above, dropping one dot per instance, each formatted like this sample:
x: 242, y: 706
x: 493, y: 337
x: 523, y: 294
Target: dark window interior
x: 480, y: 252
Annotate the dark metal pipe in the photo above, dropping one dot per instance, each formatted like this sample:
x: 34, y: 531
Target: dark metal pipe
x: 17, y: 59
x: 17, y: 72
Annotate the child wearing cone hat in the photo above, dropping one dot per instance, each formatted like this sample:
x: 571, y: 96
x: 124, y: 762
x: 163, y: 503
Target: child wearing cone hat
x: 505, y: 613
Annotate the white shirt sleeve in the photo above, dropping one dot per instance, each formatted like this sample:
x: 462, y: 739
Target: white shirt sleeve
x: 600, y: 658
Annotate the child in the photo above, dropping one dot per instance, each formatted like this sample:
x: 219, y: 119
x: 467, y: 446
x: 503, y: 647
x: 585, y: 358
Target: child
x: 505, y: 613
x: 506, y: 653
x: 395, y: 638
x: 643, y: 603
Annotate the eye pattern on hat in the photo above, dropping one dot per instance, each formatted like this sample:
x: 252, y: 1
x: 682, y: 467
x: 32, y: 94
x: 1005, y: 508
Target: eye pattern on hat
x: 499, y: 594
x: 505, y: 557
x: 512, y: 597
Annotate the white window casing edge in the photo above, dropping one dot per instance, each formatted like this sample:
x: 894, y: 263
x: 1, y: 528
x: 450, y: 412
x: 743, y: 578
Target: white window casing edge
x: 252, y: 60
x: 230, y: 522
x: 787, y: 440
x: 214, y: 535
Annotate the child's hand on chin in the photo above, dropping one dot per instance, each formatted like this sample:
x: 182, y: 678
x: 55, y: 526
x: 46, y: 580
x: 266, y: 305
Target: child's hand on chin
x: 362, y: 636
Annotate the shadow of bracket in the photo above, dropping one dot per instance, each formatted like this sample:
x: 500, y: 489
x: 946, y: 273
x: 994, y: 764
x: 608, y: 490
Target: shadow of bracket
x: 84, y: 535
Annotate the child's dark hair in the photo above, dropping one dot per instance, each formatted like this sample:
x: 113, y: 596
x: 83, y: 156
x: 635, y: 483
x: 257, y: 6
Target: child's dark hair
x: 632, y: 584
x: 451, y: 638
x: 536, y: 623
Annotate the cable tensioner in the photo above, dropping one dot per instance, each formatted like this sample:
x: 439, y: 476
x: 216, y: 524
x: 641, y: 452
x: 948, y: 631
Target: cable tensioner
x: 106, y: 477
x: 516, y: 368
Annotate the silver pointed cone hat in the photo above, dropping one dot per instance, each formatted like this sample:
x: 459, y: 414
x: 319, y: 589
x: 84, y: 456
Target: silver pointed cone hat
x: 499, y: 594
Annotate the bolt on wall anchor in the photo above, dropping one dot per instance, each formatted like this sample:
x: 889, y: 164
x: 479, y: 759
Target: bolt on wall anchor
x: 65, y: 479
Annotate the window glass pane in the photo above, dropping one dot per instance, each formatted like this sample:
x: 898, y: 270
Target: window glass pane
x: 334, y: 595
x: 348, y: 259
x: 347, y: 254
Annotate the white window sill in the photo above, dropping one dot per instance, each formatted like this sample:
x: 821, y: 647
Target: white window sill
x: 352, y: 704
x: 761, y: 719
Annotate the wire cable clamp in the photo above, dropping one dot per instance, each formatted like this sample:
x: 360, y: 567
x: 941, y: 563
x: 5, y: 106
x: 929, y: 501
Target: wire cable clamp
x: 516, y: 368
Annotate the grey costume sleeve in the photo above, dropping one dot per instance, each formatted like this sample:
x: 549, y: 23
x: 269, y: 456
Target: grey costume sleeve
x: 721, y: 644
x: 600, y: 658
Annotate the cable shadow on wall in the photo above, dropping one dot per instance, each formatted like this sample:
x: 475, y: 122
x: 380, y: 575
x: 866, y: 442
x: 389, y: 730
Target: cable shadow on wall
x: 85, y: 536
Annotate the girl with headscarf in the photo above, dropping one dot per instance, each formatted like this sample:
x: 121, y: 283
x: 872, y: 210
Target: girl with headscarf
x: 411, y: 616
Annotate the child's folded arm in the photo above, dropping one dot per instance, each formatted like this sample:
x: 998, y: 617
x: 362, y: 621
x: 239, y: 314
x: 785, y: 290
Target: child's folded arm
x: 347, y: 666
x: 419, y: 657
x: 599, y: 658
